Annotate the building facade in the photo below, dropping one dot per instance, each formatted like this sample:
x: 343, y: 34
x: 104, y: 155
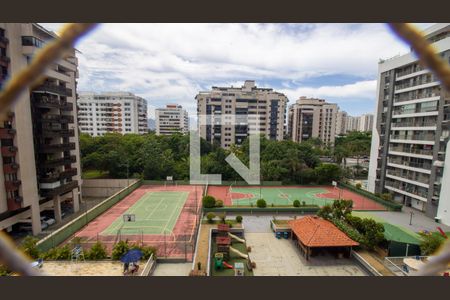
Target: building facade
x: 411, y: 134
x: 341, y: 122
x: 38, y: 135
x: 171, y: 119
x: 112, y: 112
x: 312, y: 118
x: 252, y: 106
x: 365, y: 123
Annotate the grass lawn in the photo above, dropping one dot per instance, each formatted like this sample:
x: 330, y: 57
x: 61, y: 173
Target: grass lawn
x: 94, y: 174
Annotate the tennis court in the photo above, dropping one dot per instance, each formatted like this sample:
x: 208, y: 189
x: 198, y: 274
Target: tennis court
x: 285, y: 196
x: 165, y: 217
x: 155, y: 213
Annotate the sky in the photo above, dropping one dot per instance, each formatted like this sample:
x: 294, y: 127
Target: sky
x: 171, y: 63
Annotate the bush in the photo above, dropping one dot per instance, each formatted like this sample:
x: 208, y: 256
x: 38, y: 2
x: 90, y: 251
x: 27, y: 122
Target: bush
x: 223, y: 217
x: 239, y: 219
x: 147, y: 251
x: 261, y: 203
x: 210, y: 216
x: 303, y: 203
x: 208, y: 201
x: 29, y: 247
x: 430, y: 243
x: 229, y: 223
x: 296, y: 203
x: 97, y: 252
x: 219, y: 203
x: 358, y: 186
x: 120, y: 249
x: 3, y: 271
x: 386, y: 197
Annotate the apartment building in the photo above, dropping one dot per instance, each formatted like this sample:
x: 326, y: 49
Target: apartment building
x: 312, y: 118
x: 411, y: 134
x: 38, y: 135
x: 365, y: 122
x: 110, y: 112
x: 252, y: 108
x: 171, y: 119
x: 341, y: 122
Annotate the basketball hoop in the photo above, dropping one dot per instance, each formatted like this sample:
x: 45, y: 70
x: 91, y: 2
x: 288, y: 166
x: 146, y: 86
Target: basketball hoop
x: 129, y: 218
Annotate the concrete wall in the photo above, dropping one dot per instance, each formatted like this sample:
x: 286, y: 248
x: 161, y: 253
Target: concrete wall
x: 102, y: 188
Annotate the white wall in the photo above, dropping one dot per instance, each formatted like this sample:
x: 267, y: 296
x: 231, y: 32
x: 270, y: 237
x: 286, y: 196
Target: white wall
x: 443, y: 212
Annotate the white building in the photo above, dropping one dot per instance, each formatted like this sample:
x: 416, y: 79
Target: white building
x: 171, y: 119
x: 253, y: 106
x: 411, y: 133
x: 112, y: 112
x: 312, y: 118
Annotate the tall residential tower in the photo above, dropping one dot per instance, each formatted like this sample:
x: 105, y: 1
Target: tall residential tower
x: 38, y: 135
x: 409, y: 156
x: 251, y: 105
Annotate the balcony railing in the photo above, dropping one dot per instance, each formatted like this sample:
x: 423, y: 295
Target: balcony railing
x: 416, y: 137
x: 414, y: 124
x: 412, y: 151
x: 55, y: 89
x: 58, y: 162
x: 14, y: 203
x: 415, y: 177
x: 62, y: 189
x: 58, y: 176
x: 12, y: 185
x: 4, y: 40
x: 51, y: 148
x: 53, y: 132
x: 412, y: 189
x: 415, y: 83
x: 409, y: 71
x: 426, y: 166
x: 9, y: 151
x: 7, y: 133
x: 10, y: 168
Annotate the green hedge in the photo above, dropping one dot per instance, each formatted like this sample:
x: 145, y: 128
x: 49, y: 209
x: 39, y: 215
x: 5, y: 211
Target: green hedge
x: 234, y: 209
x: 63, y: 233
x: 387, y: 204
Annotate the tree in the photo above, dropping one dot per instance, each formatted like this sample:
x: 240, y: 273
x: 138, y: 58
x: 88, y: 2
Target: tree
x: 430, y: 244
x: 296, y: 203
x: 208, y: 201
x: 326, y: 173
x: 261, y: 203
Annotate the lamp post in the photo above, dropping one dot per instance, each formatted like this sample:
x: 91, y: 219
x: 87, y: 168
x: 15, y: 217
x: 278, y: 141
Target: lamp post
x: 410, y: 217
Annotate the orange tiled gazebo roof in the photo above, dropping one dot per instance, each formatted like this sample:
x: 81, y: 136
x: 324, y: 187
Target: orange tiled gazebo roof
x: 317, y: 232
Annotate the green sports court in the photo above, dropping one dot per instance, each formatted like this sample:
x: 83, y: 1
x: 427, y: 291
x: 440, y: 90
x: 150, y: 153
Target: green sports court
x: 156, y: 212
x: 285, y: 196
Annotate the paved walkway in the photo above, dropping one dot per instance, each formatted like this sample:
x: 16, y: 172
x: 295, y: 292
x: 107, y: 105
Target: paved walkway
x: 172, y: 269
x: 274, y: 257
x: 419, y: 220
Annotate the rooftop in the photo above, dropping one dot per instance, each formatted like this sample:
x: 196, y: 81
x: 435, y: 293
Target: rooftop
x: 316, y: 232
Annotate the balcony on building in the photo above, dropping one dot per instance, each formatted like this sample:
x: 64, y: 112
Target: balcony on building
x: 51, y: 190
x: 14, y: 202
x: 7, y: 133
x: 12, y: 185
x: 53, y: 118
x: 53, y: 88
x: 52, y: 163
x: 9, y: 151
x: 10, y: 168
x: 53, y: 148
x: 58, y: 175
x: 57, y: 132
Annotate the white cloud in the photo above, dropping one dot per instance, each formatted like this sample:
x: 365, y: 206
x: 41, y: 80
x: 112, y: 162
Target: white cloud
x: 358, y: 90
x: 172, y: 62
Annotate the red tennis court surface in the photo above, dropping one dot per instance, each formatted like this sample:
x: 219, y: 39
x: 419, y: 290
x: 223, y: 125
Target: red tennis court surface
x: 180, y: 243
x: 310, y: 194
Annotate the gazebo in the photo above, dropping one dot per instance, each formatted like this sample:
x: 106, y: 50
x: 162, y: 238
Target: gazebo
x: 313, y: 234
